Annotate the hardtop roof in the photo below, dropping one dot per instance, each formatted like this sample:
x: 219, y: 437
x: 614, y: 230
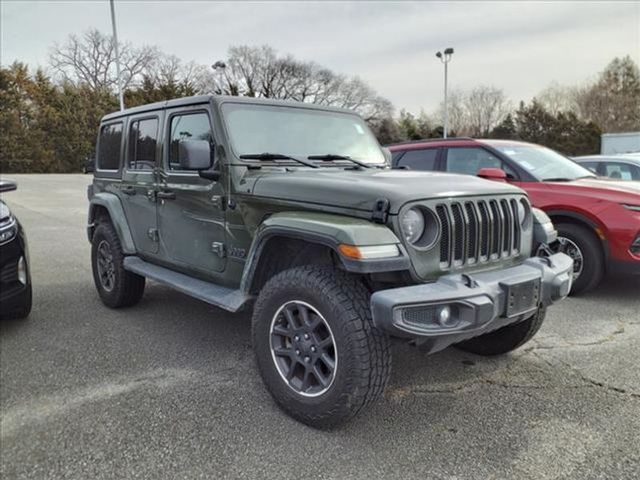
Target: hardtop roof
x: 218, y: 100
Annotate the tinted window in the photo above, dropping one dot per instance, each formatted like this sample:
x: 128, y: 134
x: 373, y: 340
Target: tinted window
x: 543, y: 163
x: 193, y: 126
x: 593, y: 166
x: 621, y: 171
x: 109, y: 145
x: 419, y: 159
x: 143, y: 135
x: 470, y: 160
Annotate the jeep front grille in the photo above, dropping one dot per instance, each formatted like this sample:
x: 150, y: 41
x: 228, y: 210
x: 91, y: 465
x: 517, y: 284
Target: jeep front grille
x: 478, y: 231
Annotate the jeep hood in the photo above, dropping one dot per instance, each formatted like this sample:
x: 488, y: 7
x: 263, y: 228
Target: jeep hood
x: 359, y: 189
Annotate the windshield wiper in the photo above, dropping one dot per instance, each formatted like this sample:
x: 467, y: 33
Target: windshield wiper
x: 275, y: 156
x: 331, y: 156
x: 558, y: 179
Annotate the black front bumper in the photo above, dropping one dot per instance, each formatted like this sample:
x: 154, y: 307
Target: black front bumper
x: 474, y: 303
x: 15, y: 288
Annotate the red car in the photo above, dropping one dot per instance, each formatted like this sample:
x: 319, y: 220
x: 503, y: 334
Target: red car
x: 598, y: 220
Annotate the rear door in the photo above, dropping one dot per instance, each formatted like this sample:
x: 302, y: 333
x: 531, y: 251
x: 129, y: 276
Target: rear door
x: 469, y: 161
x: 191, y: 215
x: 139, y: 180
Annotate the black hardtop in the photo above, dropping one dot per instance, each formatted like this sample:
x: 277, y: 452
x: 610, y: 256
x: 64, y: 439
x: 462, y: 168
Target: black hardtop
x: 218, y: 100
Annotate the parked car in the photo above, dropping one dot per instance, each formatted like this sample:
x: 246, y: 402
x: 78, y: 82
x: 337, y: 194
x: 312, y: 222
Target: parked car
x: 15, y: 278
x: 617, y: 167
x: 290, y: 209
x: 598, y: 220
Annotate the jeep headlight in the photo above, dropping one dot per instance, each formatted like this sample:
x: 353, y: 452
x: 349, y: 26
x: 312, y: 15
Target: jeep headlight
x: 524, y: 212
x: 412, y: 225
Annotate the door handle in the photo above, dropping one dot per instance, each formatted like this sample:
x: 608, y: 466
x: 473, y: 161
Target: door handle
x: 166, y: 195
x: 128, y: 190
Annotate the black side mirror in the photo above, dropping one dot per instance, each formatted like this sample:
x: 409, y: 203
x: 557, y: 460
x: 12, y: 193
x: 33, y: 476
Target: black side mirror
x: 194, y: 154
x: 7, y: 186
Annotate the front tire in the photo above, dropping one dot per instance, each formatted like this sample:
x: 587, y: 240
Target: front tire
x: 505, y: 339
x: 116, y: 286
x: 581, y: 244
x: 317, y: 350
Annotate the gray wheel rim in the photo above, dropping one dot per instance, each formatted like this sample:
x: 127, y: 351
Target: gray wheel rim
x: 106, y: 267
x: 569, y: 247
x: 303, y: 348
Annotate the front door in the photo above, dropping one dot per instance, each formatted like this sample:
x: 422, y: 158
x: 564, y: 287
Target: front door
x: 191, y: 216
x: 139, y: 180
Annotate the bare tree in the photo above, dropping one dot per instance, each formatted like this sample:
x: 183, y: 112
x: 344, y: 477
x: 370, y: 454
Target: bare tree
x: 613, y: 101
x: 557, y: 98
x: 90, y: 59
x: 458, y: 117
x: 261, y: 72
x: 486, y: 107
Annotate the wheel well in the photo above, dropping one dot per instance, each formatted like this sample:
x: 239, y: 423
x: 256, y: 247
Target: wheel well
x: 560, y: 218
x: 281, y: 253
x: 98, y: 215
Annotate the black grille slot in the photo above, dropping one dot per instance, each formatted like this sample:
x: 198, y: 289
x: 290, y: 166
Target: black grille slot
x: 485, y: 226
x: 9, y: 273
x: 508, y: 227
x: 458, y: 232
x: 496, y: 228
x: 472, y: 231
x: 516, y: 225
x: 441, y: 211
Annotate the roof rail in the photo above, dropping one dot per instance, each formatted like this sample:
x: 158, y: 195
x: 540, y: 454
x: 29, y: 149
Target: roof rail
x: 429, y: 140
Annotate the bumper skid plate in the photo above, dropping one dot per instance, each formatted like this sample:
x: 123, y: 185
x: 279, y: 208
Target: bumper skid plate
x: 462, y: 306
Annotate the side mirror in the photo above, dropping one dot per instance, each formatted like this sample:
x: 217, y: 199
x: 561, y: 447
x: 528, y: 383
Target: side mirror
x: 194, y: 154
x: 496, y: 174
x: 7, y: 186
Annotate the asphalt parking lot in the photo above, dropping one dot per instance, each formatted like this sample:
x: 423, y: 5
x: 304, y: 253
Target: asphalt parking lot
x: 169, y: 389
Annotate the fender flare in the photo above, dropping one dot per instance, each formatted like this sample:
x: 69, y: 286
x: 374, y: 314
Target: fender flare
x: 118, y: 218
x: 331, y: 231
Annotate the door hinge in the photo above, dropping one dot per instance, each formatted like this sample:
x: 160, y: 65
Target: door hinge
x: 380, y: 213
x: 152, y: 233
x: 218, y: 249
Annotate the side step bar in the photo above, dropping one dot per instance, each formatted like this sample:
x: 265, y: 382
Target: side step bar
x: 223, y: 297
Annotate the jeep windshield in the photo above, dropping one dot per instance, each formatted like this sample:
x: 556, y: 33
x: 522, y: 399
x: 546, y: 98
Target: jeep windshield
x: 543, y: 163
x: 301, y: 133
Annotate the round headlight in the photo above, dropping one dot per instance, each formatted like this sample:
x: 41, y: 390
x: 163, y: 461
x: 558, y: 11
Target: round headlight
x: 412, y: 224
x: 523, y: 211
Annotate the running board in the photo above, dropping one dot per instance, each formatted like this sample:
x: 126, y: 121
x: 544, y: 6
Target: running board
x: 223, y: 297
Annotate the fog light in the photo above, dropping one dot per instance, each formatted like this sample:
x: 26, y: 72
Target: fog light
x: 445, y: 319
x: 22, y: 271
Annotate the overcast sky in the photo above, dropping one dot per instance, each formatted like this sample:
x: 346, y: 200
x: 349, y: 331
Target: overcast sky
x: 518, y: 46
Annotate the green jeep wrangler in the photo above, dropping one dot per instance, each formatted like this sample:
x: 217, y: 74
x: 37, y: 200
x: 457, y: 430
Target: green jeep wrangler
x: 291, y: 209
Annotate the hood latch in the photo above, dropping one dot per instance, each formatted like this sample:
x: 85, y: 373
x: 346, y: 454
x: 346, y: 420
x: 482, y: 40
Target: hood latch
x: 380, y: 212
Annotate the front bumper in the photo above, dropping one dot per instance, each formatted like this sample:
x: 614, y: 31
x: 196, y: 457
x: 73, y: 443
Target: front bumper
x: 473, y: 304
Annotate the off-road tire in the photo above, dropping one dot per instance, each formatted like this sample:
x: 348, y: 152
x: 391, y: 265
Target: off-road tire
x: 593, y: 260
x: 128, y: 287
x: 504, y: 339
x: 363, y: 352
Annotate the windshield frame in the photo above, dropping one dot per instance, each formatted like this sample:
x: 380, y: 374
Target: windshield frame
x: 504, y: 147
x: 288, y: 163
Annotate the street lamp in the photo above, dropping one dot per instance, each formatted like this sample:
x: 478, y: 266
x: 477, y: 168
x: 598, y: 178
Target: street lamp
x: 445, y: 58
x: 219, y: 64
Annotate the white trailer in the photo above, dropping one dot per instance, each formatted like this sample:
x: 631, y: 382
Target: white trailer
x: 628, y: 142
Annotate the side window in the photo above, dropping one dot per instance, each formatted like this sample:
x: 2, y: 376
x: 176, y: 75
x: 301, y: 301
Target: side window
x: 620, y: 171
x: 419, y: 159
x: 109, y: 145
x: 593, y: 166
x: 469, y: 160
x: 189, y: 126
x: 143, y: 136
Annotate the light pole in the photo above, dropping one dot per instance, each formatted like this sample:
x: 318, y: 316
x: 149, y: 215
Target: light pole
x: 446, y: 58
x: 115, y: 43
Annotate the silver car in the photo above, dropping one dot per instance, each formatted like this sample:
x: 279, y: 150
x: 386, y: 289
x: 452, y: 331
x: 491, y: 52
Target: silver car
x: 624, y: 166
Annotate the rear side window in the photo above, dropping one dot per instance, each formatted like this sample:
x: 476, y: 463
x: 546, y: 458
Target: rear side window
x: 109, y: 145
x: 620, y: 171
x: 192, y: 126
x: 143, y: 137
x: 593, y: 166
x: 470, y: 160
x: 419, y: 159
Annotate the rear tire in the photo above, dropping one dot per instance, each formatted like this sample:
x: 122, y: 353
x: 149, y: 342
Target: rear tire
x: 591, y: 252
x: 116, y: 286
x: 338, y: 304
x: 505, y: 339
